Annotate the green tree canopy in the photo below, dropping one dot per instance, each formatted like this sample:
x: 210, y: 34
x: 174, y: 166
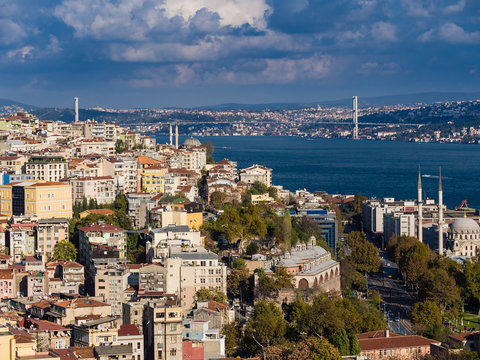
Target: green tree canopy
x: 206, y: 294
x: 426, y: 314
x: 65, y: 250
x: 266, y: 326
x: 363, y: 254
x: 439, y: 287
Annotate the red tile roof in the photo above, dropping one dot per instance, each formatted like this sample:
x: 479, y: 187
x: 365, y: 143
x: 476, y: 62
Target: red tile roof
x: 394, y: 342
x: 101, y: 211
x: 128, y: 330
x: 44, y: 325
x: 102, y: 228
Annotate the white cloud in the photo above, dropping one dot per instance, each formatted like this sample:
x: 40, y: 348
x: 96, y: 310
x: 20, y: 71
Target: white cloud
x: 10, y: 32
x: 451, y: 33
x: 288, y: 70
x: 259, y: 71
x: 455, y: 34
x: 140, y: 20
x: 21, y: 54
x: 387, y: 68
x: 232, y: 12
x: 384, y: 31
x: 454, y: 8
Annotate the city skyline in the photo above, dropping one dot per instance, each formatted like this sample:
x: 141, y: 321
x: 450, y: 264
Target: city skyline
x: 183, y: 53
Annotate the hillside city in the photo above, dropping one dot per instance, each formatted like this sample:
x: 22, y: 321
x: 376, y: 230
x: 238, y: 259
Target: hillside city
x: 446, y: 122
x: 114, y: 246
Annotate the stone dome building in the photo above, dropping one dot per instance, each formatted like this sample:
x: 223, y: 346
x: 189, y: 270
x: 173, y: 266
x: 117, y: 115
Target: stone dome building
x: 191, y: 142
x: 464, y: 237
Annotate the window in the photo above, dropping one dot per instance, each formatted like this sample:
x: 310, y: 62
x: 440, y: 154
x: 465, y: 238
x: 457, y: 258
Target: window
x: 173, y: 327
x: 173, y: 352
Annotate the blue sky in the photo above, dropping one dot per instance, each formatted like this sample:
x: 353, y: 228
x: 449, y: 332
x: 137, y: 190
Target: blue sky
x: 153, y: 53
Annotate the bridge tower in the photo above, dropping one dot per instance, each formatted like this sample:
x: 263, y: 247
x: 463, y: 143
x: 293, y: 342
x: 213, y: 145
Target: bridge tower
x: 355, y: 117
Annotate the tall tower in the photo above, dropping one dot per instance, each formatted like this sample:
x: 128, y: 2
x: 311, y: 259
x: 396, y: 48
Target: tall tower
x: 171, y: 135
x: 420, y: 207
x: 76, y: 108
x: 176, y: 136
x: 355, y: 117
x: 440, y: 214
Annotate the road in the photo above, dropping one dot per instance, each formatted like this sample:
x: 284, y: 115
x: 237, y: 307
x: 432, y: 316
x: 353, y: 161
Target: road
x: 398, y: 302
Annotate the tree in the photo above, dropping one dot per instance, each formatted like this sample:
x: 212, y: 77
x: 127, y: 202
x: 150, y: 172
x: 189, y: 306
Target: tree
x: 252, y: 249
x: 232, y: 335
x: 237, y: 280
x: 341, y: 342
x: 281, y: 279
x: 65, y: 250
x: 355, y: 348
x: 471, y: 271
x: 439, y: 287
x: 325, y: 351
x: 218, y: 199
x: 426, y: 314
x: 206, y: 294
x: 267, y: 326
x: 323, y: 318
x: 363, y: 254
x: 414, y: 262
x: 119, y: 146
x: 244, y: 224
x: 287, y: 229
x: 258, y: 188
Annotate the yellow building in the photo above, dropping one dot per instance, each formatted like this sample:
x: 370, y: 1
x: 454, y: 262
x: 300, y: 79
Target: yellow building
x: 37, y: 198
x: 194, y: 213
x: 7, y: 344
x: 153, y: 179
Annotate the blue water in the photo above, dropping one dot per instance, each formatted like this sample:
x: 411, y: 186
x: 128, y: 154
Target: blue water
x: 373, y: 168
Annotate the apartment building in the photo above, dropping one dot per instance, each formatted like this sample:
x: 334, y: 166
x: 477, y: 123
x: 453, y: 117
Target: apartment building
x: 110, y: 284
x: 100, y: 188
x: 100, y: 234
x: 13, y: 163
x: 131, y: 336
x: 21, y: 241
x: 48, y: 232
x: 191, y: 269
x: 97, y: 332
x: 152, y: 179
x: 256, y: 173
x: 163, y: 330
x: 40, y: 199
x: 48, y: 168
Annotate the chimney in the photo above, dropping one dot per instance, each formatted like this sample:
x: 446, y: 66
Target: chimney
x: 387, y: 333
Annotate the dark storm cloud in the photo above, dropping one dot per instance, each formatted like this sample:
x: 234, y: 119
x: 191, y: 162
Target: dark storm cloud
x: 51, y: 50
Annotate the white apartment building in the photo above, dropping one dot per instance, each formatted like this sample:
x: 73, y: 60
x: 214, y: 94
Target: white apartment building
x: 398, y: 224
x: 48, y: 168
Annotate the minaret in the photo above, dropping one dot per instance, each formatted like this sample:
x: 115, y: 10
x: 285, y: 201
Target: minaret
x: 76, y: 108
x: 420, y: 208
x: 171, y: 135
x: 176, y: 136
x: 440, y: 214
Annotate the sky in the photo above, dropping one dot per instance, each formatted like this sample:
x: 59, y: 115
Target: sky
x: 169, y: 53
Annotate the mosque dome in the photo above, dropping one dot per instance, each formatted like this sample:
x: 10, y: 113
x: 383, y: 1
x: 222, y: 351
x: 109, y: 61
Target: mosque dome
x: 192, y: 142
x: 465, y: 226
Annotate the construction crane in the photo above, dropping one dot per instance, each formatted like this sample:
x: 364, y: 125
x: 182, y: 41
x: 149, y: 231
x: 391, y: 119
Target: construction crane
x: 463, y: 205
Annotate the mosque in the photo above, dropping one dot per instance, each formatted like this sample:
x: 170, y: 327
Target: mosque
x: 458, y: 239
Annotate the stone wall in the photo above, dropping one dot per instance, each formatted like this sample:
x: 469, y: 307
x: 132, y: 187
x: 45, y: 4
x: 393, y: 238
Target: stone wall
x: 290, y: 295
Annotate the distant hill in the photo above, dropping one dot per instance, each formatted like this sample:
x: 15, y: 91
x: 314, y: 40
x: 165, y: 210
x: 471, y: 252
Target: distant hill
x: 8, y: 102
x: 406, y: 99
